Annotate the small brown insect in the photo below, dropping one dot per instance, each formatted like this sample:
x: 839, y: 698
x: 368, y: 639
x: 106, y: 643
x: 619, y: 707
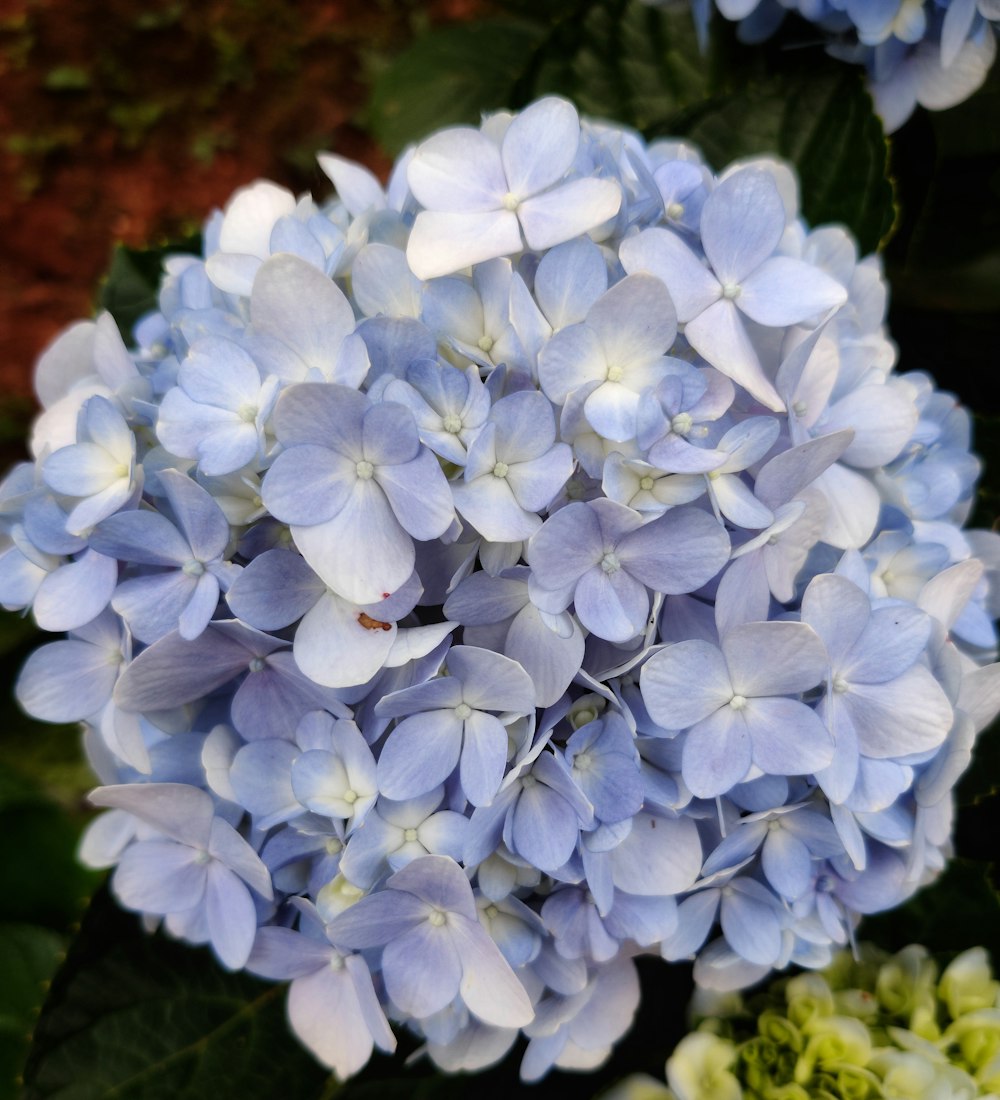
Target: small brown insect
x: 372, y: 624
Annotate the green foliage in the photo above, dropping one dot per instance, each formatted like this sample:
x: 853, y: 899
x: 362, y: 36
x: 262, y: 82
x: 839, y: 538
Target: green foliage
x: 642, y: 66
x: 130, y: 288
x: 824, y: 123
x: 449, y: 76
x: 130, y: 1016
x: 28, y: 958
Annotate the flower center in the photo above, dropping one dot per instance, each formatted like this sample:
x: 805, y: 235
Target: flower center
x: 365, y: 470
x: 486, y: 343
x: 681, y: 423
x: 610, y: 562
x: 731, y: 291
x: 675, y: 210
x: 500, y: 469
x: 738, y: 702
x: 193, y: 568
x: 201, y: 858
x: 410, y: 835
x: 491, y: 911
x: 615, y: 374
x: 256, y: 664
x: 350, y: 797
x: 336, y: 962
x: 437, y: 918
x: 583, y: 762
x: 452, y: 423
x: 510, y: 201
x: 646, y: 483
x: 839, y: 685
x: 247, y: 413
x: 463, y: 711
x: 333, y: 846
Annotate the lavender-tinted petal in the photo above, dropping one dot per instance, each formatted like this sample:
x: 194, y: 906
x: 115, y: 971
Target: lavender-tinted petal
x: 419, y: 495
x: 172, y: 671
x: 75, y: 593
x: 910, y: 714
x: 420, y: 753
x: 788, y: 737
x: 741, y: 224
x: 613, y: 606
x: 544, y: 828
x: 567, y: 211
x: 422, y: 970
x: 232, y: 916
x: 661, y: 855
x: 274, y: 590
x: 491, y: 681
x: 484, y: 756
x: 550, y: 659
x: 785, y: 291
x: 662, y: 253
x: 308, y: 484
x: 787, y: 863
x: 260, y: 778
x: 324, y: 1013
x: 66, y: 681
x: 334, y: 647
x: 377, y: 919
x: 489, y: 987
x: 159, y: 876
x: 751, y: 928
x: 685, y: 683
x: 362, y: 552
x: 718, y: 335
x: 776, y: 658
x: 717, y: 753
x: 143, y: 537
x: 679, y: 552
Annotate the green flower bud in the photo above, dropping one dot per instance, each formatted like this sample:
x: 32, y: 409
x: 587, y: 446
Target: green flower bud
x: 699, y: 1068
x: 906, y: 988
x: 977, y: 1036
x: 779, y: 1030
x: 831, y: 1042
x: 968, y: 984
x: 638, y: 1086
x: 808, y: 995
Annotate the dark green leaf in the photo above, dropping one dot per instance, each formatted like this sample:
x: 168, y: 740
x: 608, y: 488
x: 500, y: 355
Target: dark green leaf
x: 136, y: 1017
x: 28, y: 959
x: 823, y: 122
x: 130, y: 289
x: 451, y: 75
x: 43, y: 883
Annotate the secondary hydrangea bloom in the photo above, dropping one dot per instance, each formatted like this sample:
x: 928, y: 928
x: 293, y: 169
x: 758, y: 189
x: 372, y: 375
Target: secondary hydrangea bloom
x: 875, y: 1026
x: 932, y: 52
x: 475, y: 583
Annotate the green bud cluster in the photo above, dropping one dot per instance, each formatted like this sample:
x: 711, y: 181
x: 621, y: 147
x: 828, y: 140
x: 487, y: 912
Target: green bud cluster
x: 866, y: 1028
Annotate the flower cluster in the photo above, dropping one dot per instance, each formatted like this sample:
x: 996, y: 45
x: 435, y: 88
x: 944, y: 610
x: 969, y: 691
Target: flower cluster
x: 474, y: 583
x: 932, y: 52
x: 882, y: 1026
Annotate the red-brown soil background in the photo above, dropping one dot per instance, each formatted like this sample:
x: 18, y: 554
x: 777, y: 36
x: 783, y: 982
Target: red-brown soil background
x: 124, y: 120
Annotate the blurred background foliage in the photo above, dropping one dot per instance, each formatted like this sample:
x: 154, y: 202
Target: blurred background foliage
x: 126, y: 121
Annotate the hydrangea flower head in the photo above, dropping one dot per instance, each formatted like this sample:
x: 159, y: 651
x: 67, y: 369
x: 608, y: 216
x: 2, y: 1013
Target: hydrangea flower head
x: 479, y: 582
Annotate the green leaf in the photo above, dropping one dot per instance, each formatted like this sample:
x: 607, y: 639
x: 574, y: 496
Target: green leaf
x: 137, y: 1017
x: 28, y: 959
x: 131, y: 286
x: 823, y: 122
x: 451, y: 75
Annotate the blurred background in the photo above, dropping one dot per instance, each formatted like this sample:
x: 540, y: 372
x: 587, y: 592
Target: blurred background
x: 127, y: 121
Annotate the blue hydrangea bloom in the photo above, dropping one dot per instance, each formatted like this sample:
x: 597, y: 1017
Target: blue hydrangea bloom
x: 449, y: 626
